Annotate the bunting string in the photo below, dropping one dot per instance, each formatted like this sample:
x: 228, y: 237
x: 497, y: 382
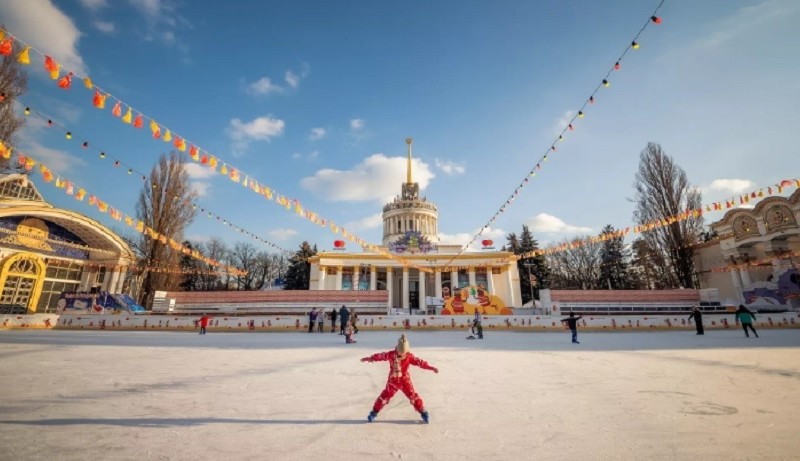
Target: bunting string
x: 122, y: 166
x: 552, y: 148
x: 79, y: 193
x: 46, y: 241
x: 760, y: 264
x: 747, y: 198
x: 181, y: 143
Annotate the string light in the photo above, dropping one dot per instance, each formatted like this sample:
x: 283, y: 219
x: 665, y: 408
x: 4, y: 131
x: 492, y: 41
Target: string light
x: 68, y: 135
x: 606, y: 83
x: 102, y: 155
x: 634, y: 45
x: 27, y: 111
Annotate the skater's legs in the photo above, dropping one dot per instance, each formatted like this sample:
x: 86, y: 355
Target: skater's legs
x: 386, y: 395
x: 752, y: 329
x: 744, y: 327
x: 413, y: 397
x: 575, y: 336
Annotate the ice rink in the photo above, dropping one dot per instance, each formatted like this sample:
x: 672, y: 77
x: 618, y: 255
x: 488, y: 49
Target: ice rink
x: 102, y: 395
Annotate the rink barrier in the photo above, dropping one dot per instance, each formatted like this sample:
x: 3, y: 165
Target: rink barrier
x: 383, y: 322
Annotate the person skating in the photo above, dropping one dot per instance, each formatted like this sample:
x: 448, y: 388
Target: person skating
x: 333, y: 320
x: 344, y: 317
x: 354, y: 321
x: 698, y: 320
x: 204, y: 319
x: 320, y: 320
x: 572, y: 323
x: 312, y: 319
x: 348, y: 334
x: 399, y: 378
x: 477, y: 328
x: 746, y: 318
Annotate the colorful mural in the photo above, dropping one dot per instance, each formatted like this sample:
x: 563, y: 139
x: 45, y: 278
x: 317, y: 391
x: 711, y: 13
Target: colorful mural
x: 412, y: 242
x: 471, y: 298
x: 784, y: 293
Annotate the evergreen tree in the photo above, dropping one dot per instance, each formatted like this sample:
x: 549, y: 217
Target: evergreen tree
x: 191, y: 279
x: 614, y: 271
x: 530, y: 267
x: 298, y: 276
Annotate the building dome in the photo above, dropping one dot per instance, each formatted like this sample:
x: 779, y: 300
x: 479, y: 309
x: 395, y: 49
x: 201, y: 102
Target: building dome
x: 410, y: 214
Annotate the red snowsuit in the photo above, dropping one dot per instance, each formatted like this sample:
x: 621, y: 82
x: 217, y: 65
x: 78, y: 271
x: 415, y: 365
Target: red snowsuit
x: 399, y: 379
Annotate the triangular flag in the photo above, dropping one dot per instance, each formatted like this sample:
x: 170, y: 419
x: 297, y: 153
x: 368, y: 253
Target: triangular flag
x: 138, y: 122
x: 7, y: 46
x: 99, y: 100
x: 117, y: 110
x: 24, y: 56
x: 155, y: 129
x: 128, y: 116
x: 167, y: 136
x: 87, y: 82
x: 66, y: 81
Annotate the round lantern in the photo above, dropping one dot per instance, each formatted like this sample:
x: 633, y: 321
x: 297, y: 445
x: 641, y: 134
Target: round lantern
x: 338, y: 243
x: 487, y: 243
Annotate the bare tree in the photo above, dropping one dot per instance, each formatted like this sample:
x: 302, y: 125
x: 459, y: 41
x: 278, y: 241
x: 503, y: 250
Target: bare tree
x: 13, y: 83
x: 577, y: 266
x: 163, y: 207
x: 662, y: 193
x: 245, y: 257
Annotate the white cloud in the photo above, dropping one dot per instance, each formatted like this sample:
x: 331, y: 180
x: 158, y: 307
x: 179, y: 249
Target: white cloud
x: 149, y: 7
x: 309, y: 156
x: 292, y: 79
x: 196, y: 171
x: 47, y: 28
x: 317, y: 133
x: 57, y: 160
x: 748, y: 18
x: 369, y: 222
x: 546, y: 223
x: 563, y: 122
x: 282, y: 234
x: 498, y: 236
x: 259, y: 129
x: 449, y: 167
x: 356, y: 124
x: 104, y: 26
x: 376, y: 178
x: 264, y: 85
x: 94, y: 4
x: 732, y: 186
x: 201, y: 188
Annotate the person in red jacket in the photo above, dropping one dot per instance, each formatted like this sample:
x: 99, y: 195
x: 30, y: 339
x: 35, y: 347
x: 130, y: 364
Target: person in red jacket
x: 204, y: 319
x: 399, y: 379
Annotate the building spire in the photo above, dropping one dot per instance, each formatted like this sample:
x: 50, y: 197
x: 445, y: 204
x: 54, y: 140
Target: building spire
x: 408, y: 176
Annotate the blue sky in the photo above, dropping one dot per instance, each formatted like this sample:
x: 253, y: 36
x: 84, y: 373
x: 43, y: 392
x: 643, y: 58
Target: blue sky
x: 315, y: 99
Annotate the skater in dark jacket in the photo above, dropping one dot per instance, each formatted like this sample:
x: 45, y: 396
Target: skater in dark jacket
x: 698, y: 319
x: 399, y: 379
x: 745, y: 317
x: 344, y: 317
x: 333, y: 319
x: 572, y: 323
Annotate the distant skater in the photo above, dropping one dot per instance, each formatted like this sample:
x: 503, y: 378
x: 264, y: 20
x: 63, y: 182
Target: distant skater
x: 399, y: 379
x: 320, y: 320
x: 746, y: 318
x: 354, y: 321
x: 348, y: 334
x: 333, y: 320
x: 312, y: 319
x: 344, y: 317
x: 698, y: 320
x: 572, y: 323
x: 204, y: 319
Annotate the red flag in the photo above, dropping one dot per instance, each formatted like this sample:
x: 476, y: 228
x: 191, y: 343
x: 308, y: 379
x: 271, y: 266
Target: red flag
x: 50, y: 64
x: 117, y: 110
x: 7, y: 46
x: 66, y: 81
x: 138, y: 122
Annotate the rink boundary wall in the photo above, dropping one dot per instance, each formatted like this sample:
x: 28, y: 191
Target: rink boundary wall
x: 266, y: 323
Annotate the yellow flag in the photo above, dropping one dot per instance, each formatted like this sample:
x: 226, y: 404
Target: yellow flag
x: 128, y: 116
x: 24, y: 56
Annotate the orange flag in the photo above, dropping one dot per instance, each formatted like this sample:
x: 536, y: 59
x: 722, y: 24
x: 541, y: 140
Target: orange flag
x: 99, y: 100
x: 138, y: 122
x: 7, y: 46
x: 117, y: 110
x: 66, y: 81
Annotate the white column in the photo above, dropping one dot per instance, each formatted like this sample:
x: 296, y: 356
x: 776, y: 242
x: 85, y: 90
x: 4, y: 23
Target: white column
x: 321, y: 279
x: 471, y: 274
x: 356, y: 277
x: 121, y: 281
x: 339, y: 278
x: 489, y: 281
x: 510, y: 288
x: 437, y: 281
x: 86, y: 276
x: 453, y: 282
x: 112, y: 281
x: 745, y: 274
x: 405, y: 289
x: 373, y: 278
x: 390, y: 287
x: 737, y: 285
x: 422, y: 305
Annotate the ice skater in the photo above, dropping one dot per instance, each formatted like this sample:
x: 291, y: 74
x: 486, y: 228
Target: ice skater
x: 476, y: 330
x: 333, y: 319
x: 399, y: 379
x: 572, y: 322
x: 348, y: 334
x: 312, y: 319
x: 320, y: 320
x: 204, y: 319
x: 746, y: 318
x: 698, y: 320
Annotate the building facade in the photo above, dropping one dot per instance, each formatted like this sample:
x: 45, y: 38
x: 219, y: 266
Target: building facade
x: 755, y: 258
x: 426, y: 276
x: 45, y: 251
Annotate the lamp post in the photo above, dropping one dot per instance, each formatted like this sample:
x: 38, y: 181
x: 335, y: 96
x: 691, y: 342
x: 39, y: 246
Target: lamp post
x: 530, y: 283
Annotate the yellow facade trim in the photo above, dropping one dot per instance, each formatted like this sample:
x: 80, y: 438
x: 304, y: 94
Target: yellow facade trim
x: 37, y: 272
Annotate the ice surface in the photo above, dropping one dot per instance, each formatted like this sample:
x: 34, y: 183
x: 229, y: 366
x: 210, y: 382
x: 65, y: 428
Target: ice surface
x: 140, y: 395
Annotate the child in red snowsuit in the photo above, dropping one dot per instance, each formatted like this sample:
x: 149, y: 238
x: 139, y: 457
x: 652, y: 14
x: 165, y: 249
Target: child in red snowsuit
x: 204, y: 323
x: 399, y: 379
